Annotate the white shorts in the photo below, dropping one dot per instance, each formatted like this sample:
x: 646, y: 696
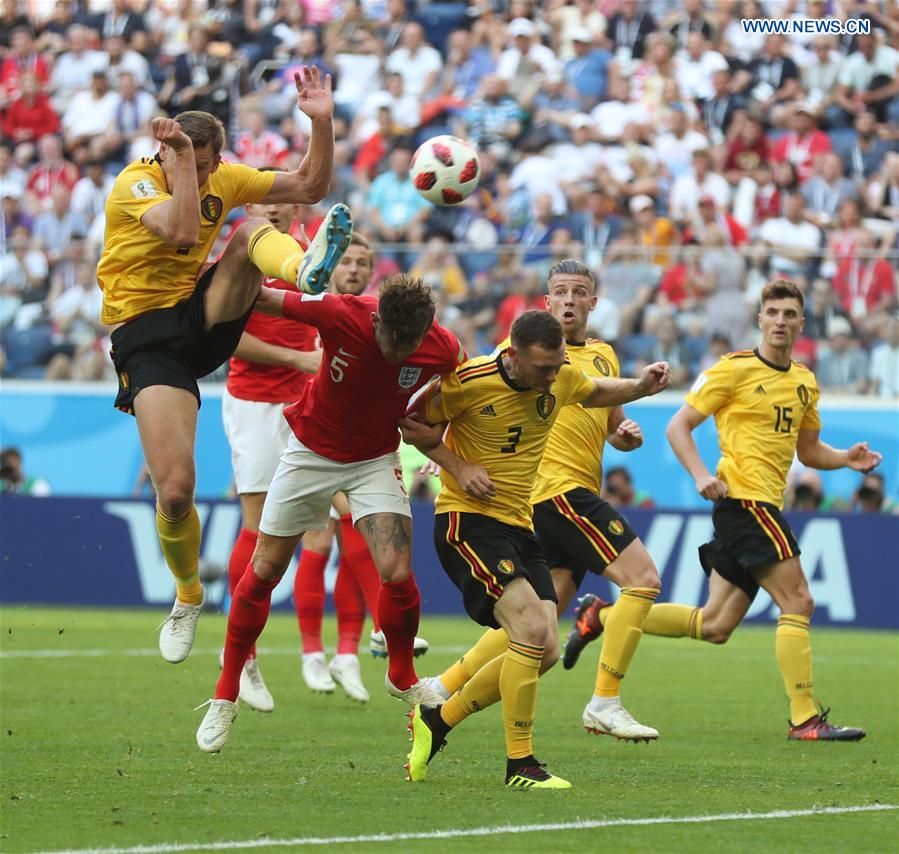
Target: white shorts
x: 299, y: 498
x: 257, y: 433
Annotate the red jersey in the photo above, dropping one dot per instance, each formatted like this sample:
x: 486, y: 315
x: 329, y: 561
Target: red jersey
x: 349, y: 412
x: 801, y: 152
x: 260, y: 152
x: 272, y: 383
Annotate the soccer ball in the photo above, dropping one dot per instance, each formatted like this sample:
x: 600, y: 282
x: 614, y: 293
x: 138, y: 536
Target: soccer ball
x: 445, y: 170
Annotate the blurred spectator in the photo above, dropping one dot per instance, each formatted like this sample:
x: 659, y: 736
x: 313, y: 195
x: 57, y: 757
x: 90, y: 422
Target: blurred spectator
x: 821, y: 307
x: 74, y: 69
x: 720, y: 107
x: 525, y: 58
x: 612, y: 116
x: 791, y: 239
x: 842, y: 365
x: 134, y: 109
x: 596, y: 227
x: 771, y: 80
x: 553, y: 110
x: 12, y: 216
x: 526, y: 294
x: 803, y: 143
x: 55, y: 229
x: 689, y: 21
x: 629, y: 276
x: 657, y: 234
x: 826, y: 191
x: 719, y: 345
x: 669, y: 346
x: 123, y: 60
x: 619, y: 491
x: 395, y: 209
x: 604, y: 320
x: 883, y: 192
x: 120, y: 20
x: 870, y: 497
x: 13, y: 478
x: 884, y: 366
x: 89, y: 119
x: 257, y: 146
x: 723, y: 278
x: 31, y: 115
x: 20, y: 58
x: 864, y: 153
x: 587, y: 72
x: 405, y: 109
x: 710, y: 217
x: 438, y: 267
x: 696, y: 65
x: 356, y: 59
x: 675, y: 148
x: 699, y: 182
x: 819, y: 77
x: 466, y: 65
x: 196, y: 79
x: 747, y: 151
x: 90, y: 193
x: 628, y: 30
x: 865, y: 284
x: 805, y: 493
x: 417, y: 62
x: 23, y: 275
x: 869, y: 80
x: 843, y: 235
x: 494, y: 119
x: 12, y: 177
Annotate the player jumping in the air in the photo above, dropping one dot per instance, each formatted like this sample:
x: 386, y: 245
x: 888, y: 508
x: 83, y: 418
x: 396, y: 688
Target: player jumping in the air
x: 578, y: 531
x: 501, y: 410
x: 766, y: 410
x: 168, y: 327
x: 377, y: 354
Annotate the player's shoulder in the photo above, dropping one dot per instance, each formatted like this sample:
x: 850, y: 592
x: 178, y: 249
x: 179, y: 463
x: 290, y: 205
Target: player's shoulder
x: 597, y: 348
x: 145, y: 168
x: 804, y: 373
x: 477, y: 370
x: 738, y: 355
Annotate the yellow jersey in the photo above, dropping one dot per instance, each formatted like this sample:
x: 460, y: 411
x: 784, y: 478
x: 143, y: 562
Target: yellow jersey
x: 138, y: 270
x: 573, y: 455
x: 759, y: 409
x: 501, y: 426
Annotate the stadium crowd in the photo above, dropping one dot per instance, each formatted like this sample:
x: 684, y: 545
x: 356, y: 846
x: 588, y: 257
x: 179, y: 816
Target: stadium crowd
x: 684, y: 159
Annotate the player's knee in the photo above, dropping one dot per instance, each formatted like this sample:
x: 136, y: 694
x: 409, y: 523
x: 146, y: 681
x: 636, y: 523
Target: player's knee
x: 716, y: 631
x: 394, y: 571
x: 240, y: 238
x: 803, y: 603
x: 646, y: 575
x: 266, y: 568
x: 551, y: 651
x: 175, y: 495
x: 531, y: 627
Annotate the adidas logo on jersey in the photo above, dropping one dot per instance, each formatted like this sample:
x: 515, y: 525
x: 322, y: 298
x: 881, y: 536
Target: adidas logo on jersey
x: 488, y: 410
x: 760, y: 389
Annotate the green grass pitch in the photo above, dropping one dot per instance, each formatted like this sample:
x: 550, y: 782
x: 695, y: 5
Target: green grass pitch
x: 98, y: 748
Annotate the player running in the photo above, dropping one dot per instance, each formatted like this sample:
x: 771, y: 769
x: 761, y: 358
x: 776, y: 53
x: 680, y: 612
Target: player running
x: 501, y: 410
x: 169, y: 327
x: 377, y: 354
x: 766, y: 410
x: 578, y: 531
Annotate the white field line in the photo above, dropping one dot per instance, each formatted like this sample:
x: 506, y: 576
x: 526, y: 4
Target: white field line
x: 149, y: 652
x: 499, y: 830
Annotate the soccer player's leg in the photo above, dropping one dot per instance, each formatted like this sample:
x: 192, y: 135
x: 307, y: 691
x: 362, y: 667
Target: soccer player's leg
x: 787, y: 585
x: 281, y: 257
x: 167, y: 422
x: 349, y: 603
x: 309, y: 600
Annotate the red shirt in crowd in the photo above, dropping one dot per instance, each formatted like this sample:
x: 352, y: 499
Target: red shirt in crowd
x: 863, y: 283
x: 43, y: 178
x: 262, y: 151
x: 26, y: 121
x: 801, y: 152
x: 744, y: 158
x: 273, y: 383
x: 349, y: 412
x: 510, y: 308
x: 11, y: 70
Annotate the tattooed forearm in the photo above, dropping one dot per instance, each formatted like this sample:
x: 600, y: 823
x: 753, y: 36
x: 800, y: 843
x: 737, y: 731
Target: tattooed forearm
x: 387, y: 531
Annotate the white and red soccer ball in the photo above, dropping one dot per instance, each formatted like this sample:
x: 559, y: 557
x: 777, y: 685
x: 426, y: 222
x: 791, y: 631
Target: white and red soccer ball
x: 445, y: 170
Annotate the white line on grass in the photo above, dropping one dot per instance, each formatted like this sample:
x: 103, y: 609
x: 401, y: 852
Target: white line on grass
x: 153, y: 651
x: 457, y: 833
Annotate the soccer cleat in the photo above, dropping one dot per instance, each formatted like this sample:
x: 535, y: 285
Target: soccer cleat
x: 532, y: 776
x: 315, y: 673
x: 378, y: 645
x: 345, y: 671
x: 418, y: 694
x: 325, y: 251
x: 434, y: 683
x: 253, y: 690
x: 587, y: 627
x: 818, y: 729
x: 426, y: 743
x: 177, y: 630
x: 216, y: 725
x: 617, y: 721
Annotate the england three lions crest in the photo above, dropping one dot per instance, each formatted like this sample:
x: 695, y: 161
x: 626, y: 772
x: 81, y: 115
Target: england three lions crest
x: 408, y: 377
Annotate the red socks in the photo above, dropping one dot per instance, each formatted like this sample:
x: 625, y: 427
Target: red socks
x: 398, y: 612
x: 357, y: 559
x: 249, y: 611
x: 350, y: 607
x: 309, y: 598
x: 241, y: 555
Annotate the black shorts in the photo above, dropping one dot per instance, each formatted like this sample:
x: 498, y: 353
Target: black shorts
x: 171, y: 346
x: 748, y: 535
x: 481, y: 555
x: 581, y: 532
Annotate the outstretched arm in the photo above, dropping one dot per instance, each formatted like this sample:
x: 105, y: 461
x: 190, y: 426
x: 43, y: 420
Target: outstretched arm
x: 680, y: 437
x: 310, y: 182
x: 253, y: 349
x: 819, y: 455
x: 614, y: 391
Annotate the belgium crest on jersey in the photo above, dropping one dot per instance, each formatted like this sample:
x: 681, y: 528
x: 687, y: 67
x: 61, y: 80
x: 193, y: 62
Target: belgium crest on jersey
x: 505, y: 566
x: 408, y: 377
x: 546, y: 403
x: 602, y: 366
x: 212, y: 207
x: 802, y: 391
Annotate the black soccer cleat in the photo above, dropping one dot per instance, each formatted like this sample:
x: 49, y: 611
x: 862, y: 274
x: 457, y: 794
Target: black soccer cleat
x: 587, y: 627
x: 819, y: 729
x: 529, y: 774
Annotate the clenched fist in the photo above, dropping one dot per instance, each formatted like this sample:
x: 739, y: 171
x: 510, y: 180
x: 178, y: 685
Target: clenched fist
x: 169, y: 132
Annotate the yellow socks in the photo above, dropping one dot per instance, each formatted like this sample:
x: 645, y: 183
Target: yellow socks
x: 492, y: 643
x: 478, y: 692
x: 622, y: 634
x: 275, y: 254
x: 518, y: 689
x: 794, y: 658
x: 180, y: 541
x: 672, y: 621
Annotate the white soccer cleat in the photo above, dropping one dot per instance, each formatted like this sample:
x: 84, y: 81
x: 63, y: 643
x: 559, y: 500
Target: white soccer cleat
x: 176, y: 636
x: 378, y: 645
x: 325, y: 251
x: 618, y: 721
x: 345, y: 671
x: 216, y: 725
x: 315, y: 673
x: 253, y: 690
x: 420, y: 693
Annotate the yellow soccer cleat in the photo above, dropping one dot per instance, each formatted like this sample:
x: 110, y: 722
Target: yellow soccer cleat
x: 427, y: 738
x: 532, y: 776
